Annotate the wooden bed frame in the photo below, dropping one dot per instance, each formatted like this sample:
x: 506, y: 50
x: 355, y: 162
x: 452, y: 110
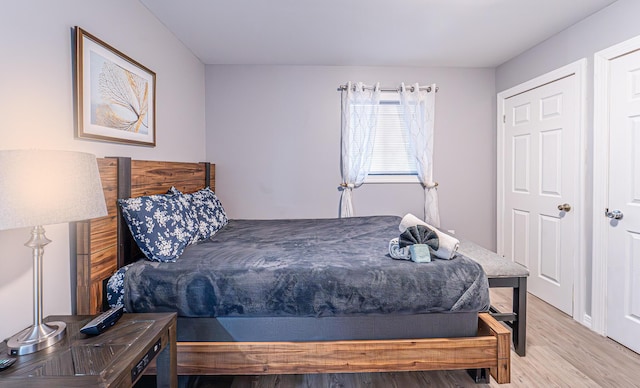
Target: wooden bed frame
x: 102, y: 248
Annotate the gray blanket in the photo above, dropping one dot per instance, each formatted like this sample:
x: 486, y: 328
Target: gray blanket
x: 311, y: 268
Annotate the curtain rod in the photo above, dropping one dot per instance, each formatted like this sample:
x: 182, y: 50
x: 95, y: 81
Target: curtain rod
x: 410, y: 87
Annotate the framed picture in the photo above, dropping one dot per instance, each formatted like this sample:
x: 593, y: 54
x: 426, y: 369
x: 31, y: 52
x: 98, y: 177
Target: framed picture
x: 116, y: 96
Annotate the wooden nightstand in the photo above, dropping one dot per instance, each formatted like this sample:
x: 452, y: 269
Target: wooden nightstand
x: 115, y: 358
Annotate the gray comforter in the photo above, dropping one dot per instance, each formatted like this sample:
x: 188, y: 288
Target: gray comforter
x: 311, y: 268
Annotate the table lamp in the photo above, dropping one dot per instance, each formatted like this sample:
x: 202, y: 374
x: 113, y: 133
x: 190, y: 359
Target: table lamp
x: 39, y: 187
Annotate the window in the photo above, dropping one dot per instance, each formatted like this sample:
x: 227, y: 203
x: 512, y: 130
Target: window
x: 392, y: 160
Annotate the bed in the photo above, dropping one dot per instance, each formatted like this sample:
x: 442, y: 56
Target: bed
x: 337, y: 333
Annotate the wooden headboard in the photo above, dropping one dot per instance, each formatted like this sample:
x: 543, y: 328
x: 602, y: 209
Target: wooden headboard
x: 105, y: 244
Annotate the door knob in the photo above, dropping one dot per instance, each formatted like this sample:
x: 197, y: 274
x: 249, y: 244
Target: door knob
x: 615, y: 214
x: 565, y: 207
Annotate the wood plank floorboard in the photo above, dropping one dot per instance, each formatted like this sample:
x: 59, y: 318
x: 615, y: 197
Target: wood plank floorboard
x: 560, y: 353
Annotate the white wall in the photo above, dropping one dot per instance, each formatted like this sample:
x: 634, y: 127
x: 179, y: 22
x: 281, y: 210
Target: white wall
x: 274, y: 133
x: 36, y: 111
x: 612, y: 25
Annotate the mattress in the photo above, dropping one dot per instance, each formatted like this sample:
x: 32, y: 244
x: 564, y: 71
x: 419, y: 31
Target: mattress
x: 302, y: 268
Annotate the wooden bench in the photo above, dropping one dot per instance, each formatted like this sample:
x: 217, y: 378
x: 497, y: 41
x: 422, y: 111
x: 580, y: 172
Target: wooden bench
x: 502, y: 272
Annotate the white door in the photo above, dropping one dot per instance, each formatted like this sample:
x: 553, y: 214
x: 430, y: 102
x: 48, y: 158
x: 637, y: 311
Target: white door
x: 541, y: 167
x: 623, y: 255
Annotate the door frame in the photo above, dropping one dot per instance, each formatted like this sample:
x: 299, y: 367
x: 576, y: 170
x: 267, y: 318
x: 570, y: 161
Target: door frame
x: 601, y: 131
x: 579, y: 70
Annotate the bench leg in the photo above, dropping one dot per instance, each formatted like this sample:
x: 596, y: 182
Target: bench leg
x: 480, y: 375
x: 520, y: 325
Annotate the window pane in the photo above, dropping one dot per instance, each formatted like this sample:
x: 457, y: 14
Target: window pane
x: 391, y: 155
x: 391, y: 150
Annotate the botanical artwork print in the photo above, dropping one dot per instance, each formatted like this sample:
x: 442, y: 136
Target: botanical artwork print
x: 119, y: 98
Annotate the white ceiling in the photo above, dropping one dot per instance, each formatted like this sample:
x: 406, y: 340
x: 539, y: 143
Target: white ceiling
x: 457, y: 33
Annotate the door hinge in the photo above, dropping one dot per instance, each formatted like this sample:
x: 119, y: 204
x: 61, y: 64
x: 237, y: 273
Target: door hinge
x: 504, y: 119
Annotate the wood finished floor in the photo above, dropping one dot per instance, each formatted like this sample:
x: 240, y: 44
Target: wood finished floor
x: 560, y: 353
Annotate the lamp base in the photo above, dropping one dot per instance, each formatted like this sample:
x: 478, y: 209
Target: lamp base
x: 35, y: 338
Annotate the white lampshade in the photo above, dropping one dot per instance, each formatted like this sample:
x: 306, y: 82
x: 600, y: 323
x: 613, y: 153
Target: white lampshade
x: 39, y: 187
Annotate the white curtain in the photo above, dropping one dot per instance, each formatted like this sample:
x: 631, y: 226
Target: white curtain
x: 419, y: 112
x: 359, y: 116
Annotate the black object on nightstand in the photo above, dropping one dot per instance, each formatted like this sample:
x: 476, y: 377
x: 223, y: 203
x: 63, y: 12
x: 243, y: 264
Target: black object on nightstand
x: 103, y: 321
x: 6, y: 362
x: 115, y: 358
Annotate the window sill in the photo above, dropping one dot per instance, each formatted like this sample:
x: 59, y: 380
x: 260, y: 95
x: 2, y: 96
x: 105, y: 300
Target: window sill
x: 392, y: 179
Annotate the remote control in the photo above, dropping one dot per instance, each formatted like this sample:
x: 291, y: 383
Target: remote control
x: 6, y: 362
x: 103, y: 321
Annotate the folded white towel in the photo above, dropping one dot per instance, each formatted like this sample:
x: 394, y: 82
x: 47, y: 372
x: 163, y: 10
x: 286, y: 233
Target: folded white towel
x: 448, y: 245
x: 396, y: 252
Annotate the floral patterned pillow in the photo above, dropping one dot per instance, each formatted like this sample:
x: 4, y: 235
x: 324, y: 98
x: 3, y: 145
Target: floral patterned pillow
x: 161, y: 225
x: 115, y: 288
x: 208, y: 211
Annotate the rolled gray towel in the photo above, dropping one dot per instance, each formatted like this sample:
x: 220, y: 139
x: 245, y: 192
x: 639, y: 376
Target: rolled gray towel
x: 421, y: 241
x: 419, y: 234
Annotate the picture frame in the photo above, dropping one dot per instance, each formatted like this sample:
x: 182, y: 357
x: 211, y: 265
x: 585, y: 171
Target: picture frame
x: 115, y: 96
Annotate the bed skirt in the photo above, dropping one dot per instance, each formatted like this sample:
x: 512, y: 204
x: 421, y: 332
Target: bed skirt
x: 261, y: 329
